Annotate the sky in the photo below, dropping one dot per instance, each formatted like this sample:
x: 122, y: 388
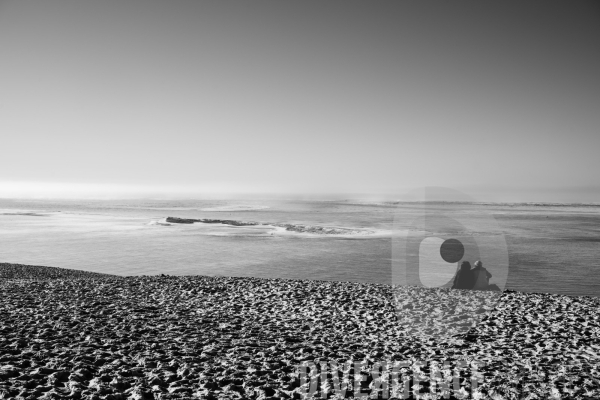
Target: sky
x: 499, y: 99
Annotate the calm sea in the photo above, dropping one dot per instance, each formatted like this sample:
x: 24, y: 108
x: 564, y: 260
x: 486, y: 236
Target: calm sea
x: 552, y: 248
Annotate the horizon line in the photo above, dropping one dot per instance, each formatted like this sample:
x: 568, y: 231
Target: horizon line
x: 501, y: 194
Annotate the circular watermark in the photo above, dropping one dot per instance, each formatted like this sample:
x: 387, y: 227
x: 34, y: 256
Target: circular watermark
x: 449, y: 262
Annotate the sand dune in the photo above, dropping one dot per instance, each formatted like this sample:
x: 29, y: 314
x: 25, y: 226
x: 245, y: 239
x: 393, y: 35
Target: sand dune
x: 165, y: 337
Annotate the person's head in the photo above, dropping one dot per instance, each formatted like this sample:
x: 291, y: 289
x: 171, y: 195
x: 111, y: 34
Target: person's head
x: 478, y: 264
x: 465, y: 265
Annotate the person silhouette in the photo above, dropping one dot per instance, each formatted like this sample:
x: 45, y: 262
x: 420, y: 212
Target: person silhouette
x: 481, y: 276
x: 464, y: 278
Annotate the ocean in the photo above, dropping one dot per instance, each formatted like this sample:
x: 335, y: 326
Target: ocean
x: 552, y: 248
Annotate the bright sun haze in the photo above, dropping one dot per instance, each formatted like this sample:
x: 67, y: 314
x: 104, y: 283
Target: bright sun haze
x: 300, y: 97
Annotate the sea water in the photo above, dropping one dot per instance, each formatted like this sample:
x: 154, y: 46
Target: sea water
x: 552, y: 248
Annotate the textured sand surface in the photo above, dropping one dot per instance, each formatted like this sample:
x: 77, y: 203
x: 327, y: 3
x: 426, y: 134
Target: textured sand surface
x: 29, y: 272
x: 219, y: 337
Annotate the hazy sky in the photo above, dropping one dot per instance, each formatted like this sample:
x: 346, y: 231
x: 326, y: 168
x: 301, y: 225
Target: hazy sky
x: 307, y: 96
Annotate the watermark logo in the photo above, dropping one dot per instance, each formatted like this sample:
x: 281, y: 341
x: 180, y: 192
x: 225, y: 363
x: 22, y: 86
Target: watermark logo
x: 443, y: 379
x: 390, y: 379
x: 449, y: 262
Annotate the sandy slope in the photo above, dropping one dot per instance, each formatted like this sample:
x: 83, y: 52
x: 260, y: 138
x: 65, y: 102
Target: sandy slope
x: 29, y: 272
x: 204, y: 337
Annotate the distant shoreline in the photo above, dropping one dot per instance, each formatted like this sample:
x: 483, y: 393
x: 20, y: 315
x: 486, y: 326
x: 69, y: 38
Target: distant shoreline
x: 357, y: 201
x: 12, y: 271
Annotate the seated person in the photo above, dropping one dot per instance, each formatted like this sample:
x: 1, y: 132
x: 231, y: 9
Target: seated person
x: 464, y: 278
x: 481, y: 276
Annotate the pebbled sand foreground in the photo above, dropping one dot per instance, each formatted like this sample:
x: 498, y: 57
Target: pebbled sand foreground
x: 93, y: 336
x: 34, y: 272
